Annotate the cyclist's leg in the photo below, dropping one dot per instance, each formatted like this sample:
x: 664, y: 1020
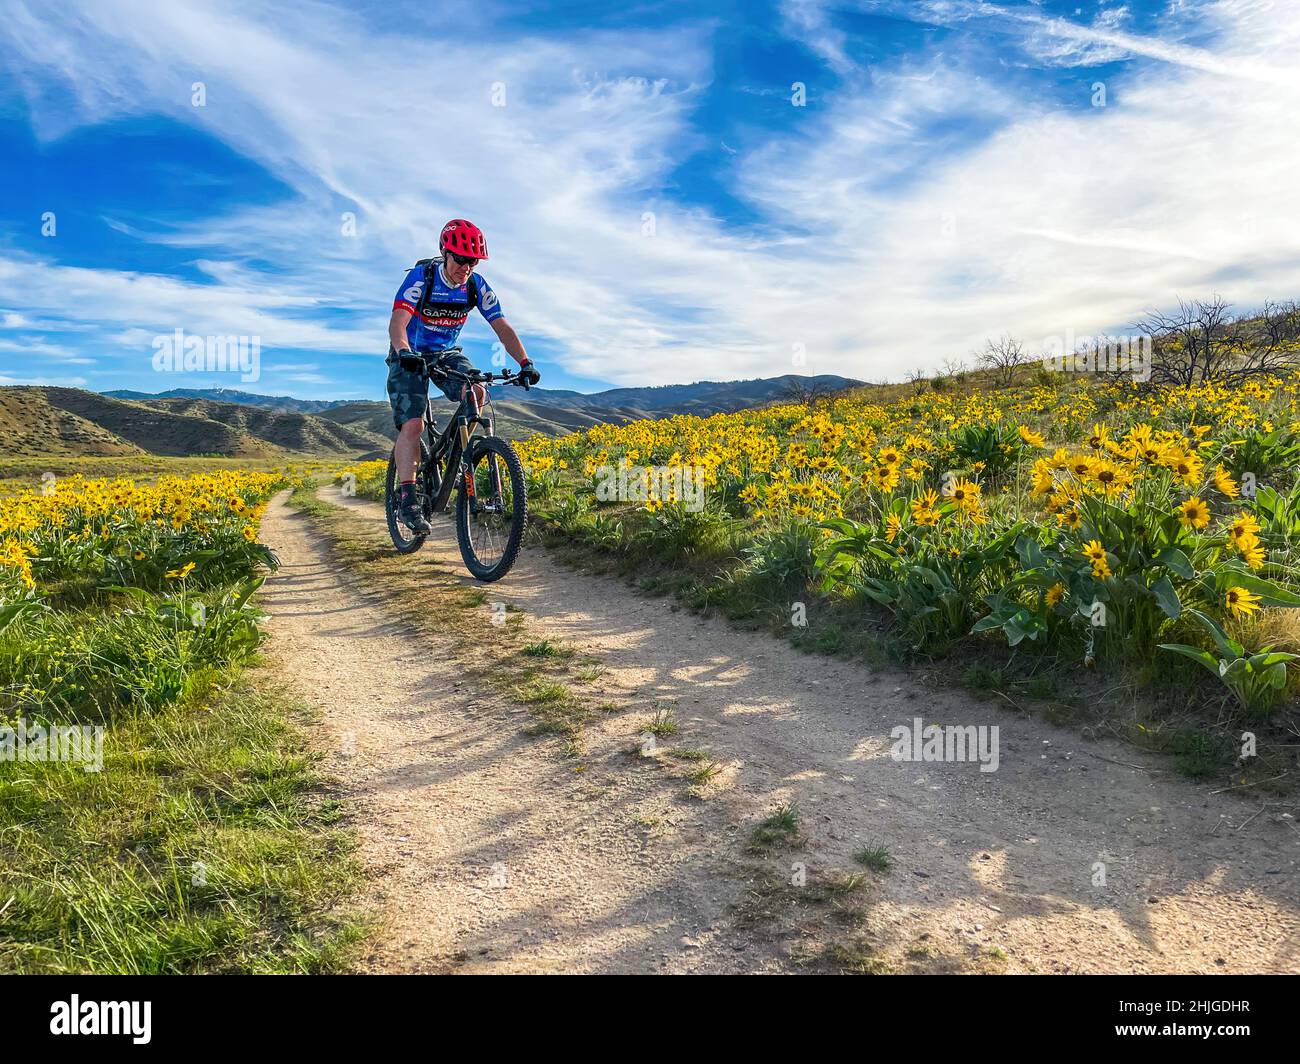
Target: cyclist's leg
x: 454, y: 389
x: 408, y: 394
x: 407, y: 450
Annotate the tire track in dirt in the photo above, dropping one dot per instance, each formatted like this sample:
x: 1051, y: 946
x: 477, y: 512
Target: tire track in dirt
x: 1002, y: 861
x: 486, y: 852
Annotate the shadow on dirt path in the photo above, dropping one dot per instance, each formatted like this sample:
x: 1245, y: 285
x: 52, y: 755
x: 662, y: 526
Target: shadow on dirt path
x: 1060, y: 860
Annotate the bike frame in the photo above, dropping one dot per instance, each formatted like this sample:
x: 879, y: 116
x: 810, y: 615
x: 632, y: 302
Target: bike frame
x: 456, y: 436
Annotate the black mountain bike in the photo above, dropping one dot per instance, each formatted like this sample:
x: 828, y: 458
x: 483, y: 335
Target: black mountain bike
x: 484, y: 470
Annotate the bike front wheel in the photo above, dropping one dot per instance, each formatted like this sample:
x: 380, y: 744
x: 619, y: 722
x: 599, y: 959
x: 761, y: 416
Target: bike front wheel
x: 491, y: 509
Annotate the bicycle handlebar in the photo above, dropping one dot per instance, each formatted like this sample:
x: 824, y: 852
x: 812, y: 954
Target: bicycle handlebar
x: 475, y: 376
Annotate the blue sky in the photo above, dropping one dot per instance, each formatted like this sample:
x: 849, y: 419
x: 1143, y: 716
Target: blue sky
x: 671, y: 191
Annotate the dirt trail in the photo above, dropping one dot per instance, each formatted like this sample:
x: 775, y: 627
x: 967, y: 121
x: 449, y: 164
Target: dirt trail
x: 489, y: 852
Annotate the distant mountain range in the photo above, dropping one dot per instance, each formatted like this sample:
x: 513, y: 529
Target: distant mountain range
x: 231, y: 395
x: 37, y: 421
x: 40, y: 421
x: 702, y: 398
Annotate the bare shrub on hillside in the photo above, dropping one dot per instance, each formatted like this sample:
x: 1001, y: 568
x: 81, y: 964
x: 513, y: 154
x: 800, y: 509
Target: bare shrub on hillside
x: 805, y: 391
x: 1002, y: 357
x: 1204, y: 341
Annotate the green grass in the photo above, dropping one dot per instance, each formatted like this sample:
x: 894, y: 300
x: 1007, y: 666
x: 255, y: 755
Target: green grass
x: 548, y: 649
x: 205, y: 844
x: 543, y: 693
x: 853, y: 959
x: 984, y: 678
x: 782, y: 827
x: 1199, y: 755
x: 303, y: 498
x: 662, y: 724
x: 703, y: 772
x: 876, y: 858
x: 205, y: 841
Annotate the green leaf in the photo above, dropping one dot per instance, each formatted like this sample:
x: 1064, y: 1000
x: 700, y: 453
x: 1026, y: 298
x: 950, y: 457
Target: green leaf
x: 1167, y: 598
x: 1022, y: 624
x: 1196, y: 654
x: 1175, y: 560
x: 1227, y: 647
x: 246, y: 590
x: 1231, y: 671
x: 11, y: 611
x: 1030, y: 553
x: 1269, y: 593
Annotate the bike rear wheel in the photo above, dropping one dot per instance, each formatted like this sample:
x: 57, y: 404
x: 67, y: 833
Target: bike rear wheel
x: 490, y: 521
x: 406, y: 541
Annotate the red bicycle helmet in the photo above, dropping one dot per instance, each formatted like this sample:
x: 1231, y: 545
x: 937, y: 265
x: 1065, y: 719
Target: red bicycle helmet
x: 464, y: 238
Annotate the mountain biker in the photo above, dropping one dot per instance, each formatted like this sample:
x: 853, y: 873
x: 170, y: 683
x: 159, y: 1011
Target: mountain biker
x: 424, y: 321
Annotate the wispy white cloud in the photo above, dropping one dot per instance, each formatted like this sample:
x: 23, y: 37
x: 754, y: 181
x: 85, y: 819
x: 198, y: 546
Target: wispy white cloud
x: 43, y: 351
x: 309, y: 378
x: 907, y: 216
x: 563, y: 172
x: 1103, y: 40
x: 1060, y: 219
x: 809, y: 22
x: 134, y: 308
x: 48, y: 382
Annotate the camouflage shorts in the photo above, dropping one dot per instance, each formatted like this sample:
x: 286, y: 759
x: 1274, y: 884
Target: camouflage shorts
x: 408, y: 392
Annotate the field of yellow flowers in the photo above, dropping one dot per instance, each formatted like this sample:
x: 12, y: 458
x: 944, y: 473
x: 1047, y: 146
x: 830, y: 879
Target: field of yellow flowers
x: 1106, y: 524
x: 113, y: 529
x: 126, y: 613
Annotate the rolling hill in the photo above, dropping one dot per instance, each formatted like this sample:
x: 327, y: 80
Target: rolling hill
x: 69, y: 421
x: 233, y: 395
x: 701, y: 398
x: 514, y: 420
x: 614, y: 404
x: 51, y: 421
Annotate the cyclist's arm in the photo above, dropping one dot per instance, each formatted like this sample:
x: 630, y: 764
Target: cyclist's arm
x: 404, y: 304
x: 509, y: 339
x: 397, y: 329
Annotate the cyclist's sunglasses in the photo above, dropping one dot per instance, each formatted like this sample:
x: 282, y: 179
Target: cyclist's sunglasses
x: 460, y: 260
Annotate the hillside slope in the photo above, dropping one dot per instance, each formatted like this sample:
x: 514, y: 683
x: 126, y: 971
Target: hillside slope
x: 515, y: 418
x: 701, y: 398
x: 68, y: 422
x: 546, y: 410
x: 31, y: 425
x: 311, y: 433
x: 49, y: 421
x: 72, y: 421
x: 232, y: 395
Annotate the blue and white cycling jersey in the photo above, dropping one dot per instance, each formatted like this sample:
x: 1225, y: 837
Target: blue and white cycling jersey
x: 445, y: 311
